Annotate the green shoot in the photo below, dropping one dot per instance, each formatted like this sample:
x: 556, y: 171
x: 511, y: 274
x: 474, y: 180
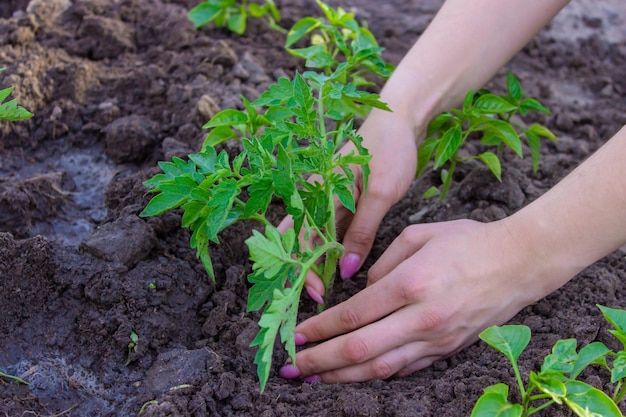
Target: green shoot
x: 492, y: 117
x: 556, y: 383
x: 10, y: 111
x: 215, y: 191
x: 233, y: 14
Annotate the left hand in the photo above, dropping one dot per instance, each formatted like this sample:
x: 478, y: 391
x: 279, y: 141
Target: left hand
x: 429, y: 295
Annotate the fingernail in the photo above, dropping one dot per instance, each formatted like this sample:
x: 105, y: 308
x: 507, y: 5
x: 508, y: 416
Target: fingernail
x: 299, y: 339
x: 315, y: 295
x: 289, y: 372
x: 349, y: 265
x: 313, y: 379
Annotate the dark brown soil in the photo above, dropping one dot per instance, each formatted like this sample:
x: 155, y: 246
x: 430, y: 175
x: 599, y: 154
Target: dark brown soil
x: 117, y: 85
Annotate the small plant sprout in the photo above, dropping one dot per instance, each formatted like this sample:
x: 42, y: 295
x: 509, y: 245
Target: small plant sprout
x: 491, y: 116
x: 133, y: 344
x: 13, y: 378
x: 338, y: 38
x: 556, y: 382
x: 233, y: 14
x: 10, y: 111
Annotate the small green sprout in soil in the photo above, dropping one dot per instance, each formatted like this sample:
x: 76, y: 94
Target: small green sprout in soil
x: 555, y: 382
x: 133, y: 344
x: 491, y: 116
x: 233, y: 14
x: 13, y: 378
x: 10, y: 111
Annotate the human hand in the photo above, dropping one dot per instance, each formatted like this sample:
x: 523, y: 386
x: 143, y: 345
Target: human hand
x: 390, y: 139
x: 428, y: 296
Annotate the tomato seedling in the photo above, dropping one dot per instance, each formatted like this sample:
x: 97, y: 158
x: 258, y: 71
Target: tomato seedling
x: 233, y: 14
x: 215, y: 191
x: 492, y: 117
x: 338, y: 38
x: 10, y: 111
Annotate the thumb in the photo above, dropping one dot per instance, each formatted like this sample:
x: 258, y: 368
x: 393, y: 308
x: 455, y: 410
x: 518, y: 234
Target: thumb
x: 360, y: 235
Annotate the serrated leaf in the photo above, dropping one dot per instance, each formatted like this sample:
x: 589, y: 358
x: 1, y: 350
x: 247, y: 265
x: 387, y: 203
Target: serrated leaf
x: 511, y: 340
x: 267, y: 251
x: 205, y: 160
x: 276, y: 94
x: 261, y: 192
x: 220, y: 206
x: 163, y: 202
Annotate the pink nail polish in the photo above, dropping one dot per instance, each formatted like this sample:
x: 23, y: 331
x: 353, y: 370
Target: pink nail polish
x: 315, y: 295
x: 299, y: 339
x: 289, y: 372
x: 313, y: 379
x: 349, y: 265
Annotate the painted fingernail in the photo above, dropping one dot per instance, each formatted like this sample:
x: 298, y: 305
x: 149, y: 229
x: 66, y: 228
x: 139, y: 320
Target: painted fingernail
x: 349, y: 265
x: 313, y: 379
x: 315, y: 295
x: 289, y: 372
x: 299, y: 339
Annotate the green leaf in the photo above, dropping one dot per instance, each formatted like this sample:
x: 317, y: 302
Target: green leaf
x: 493, y: 163
x: 203, y: 14
x: 424, y: 153
x: 513, y: 86
x: 615, y: 317
x: 267, y: 251
x: 494, y: 403
x: 535, y: 148
x: 261, y: 192
x: 4, y: 94
x: 237, y: 21
x: 619, y: 367
x: 448, y: 146
x: 511, y: 340
x: 301, y: 29
x: 218, y: 135
x: 550, y: 384
x: 562, y: 357
x: 532, y: 104
x: 11, y: 112
x: 542, y: 131
x: 507, y: 133
x: 276, y: 94
x: 344, y: 193
x: 220, y: 206
x: 587, y: 401
x: 592, y: 353
x: 205, y: 160
x: 227, y: 117
x: 431, y: 192
x: 491, y: 103
x: 163, y: 202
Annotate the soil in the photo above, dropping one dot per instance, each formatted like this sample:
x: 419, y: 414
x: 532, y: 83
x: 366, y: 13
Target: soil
x: 117, y: 85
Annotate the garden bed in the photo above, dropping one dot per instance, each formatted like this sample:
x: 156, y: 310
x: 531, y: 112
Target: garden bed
x: 117, y: 85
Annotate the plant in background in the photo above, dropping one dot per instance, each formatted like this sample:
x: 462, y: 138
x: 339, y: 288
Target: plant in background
x: 338, y: 38
x: 10, y: 111
x: 489, y: 115
x: 215, y: 191
x: 556, y: 383
x: 234, y: 14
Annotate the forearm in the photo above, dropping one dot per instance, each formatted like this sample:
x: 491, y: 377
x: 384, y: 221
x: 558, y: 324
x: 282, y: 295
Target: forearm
x: 580, y: 220
x: 463, y: 47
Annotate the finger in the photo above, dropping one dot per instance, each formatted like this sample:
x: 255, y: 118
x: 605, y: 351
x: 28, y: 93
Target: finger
x: 412, y: 239
x: 360, y: 235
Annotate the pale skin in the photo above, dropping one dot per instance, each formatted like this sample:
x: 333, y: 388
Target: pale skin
x: 438, y: 285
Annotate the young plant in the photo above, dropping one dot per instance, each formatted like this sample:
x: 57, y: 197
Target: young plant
x: 492, y: 117
x: 10, y: 111
x: 133, y: 345
x: 233, y: 14
x: 215, y: 191
x: 338, y: 38
x: 556, y: 381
